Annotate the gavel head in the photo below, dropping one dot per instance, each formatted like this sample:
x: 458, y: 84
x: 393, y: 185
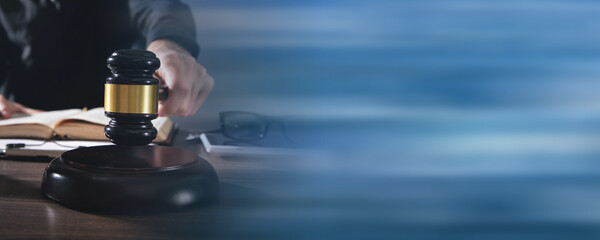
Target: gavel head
x: 131, y: 97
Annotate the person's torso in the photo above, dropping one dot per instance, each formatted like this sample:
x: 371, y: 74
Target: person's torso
x: 54, y: 52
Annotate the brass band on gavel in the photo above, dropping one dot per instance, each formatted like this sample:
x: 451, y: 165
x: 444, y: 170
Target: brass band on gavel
x: 130, y: 98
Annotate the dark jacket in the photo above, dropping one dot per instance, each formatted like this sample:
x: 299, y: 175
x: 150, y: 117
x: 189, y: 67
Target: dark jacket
x: 53, y: 52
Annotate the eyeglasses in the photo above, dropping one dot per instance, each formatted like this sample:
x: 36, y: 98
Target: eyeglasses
x: 250, y: 128
x: 246, y: 126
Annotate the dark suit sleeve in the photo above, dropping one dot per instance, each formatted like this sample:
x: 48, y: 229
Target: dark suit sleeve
x: 164, y: 19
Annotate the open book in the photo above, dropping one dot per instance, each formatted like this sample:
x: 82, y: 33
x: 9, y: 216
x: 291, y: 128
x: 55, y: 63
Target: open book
x: 70, y: 124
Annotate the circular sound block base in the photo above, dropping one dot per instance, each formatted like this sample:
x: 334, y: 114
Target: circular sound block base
x: 130, y: 178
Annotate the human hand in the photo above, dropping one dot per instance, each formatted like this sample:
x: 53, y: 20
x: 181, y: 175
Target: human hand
x: 9, y: 108
x: 188, y: 82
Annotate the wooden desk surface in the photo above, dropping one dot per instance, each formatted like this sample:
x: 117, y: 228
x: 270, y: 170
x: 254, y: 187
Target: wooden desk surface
x: 247, y: 188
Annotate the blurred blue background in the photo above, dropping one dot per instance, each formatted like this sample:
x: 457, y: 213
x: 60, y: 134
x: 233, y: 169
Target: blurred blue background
x: 457, y: 119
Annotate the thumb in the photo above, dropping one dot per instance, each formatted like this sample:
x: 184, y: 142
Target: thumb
x: 8, y: 108
x: 5, y: 109
x: 28, y: 111
x: 19, y: 108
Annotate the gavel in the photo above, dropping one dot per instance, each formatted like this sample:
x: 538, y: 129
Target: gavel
x: 131, y: 97
x: 130, y: 175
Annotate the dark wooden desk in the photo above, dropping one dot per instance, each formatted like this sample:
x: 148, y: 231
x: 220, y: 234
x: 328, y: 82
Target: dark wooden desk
x: 248, y: 187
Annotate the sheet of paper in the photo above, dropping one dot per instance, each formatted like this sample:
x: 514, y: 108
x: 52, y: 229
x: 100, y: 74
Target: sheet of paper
x: 35, y: 148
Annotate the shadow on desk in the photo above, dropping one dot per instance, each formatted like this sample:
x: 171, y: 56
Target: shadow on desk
x: 14, y: 188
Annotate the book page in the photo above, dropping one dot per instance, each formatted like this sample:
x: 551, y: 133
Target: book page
x: 90, y: 125
x: 46, y: 118
x: 97, y: 116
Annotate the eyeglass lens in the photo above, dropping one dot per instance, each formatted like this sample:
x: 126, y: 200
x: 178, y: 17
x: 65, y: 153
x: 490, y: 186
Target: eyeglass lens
x: 243, y: 126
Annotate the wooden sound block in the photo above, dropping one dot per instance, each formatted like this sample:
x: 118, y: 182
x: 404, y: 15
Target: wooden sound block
x: 130, y: 178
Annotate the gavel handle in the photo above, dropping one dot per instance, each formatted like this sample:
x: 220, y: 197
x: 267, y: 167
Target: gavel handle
x: 163, y: 93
